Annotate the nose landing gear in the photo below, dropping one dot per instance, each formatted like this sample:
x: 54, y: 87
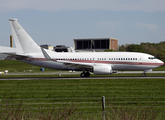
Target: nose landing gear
x: 144, y: 74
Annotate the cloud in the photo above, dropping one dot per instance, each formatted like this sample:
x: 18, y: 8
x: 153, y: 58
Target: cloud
x: 150, y: 27
x: 65, y: 5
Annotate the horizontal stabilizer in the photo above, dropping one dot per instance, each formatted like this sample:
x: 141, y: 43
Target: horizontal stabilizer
x: 7, y: 50
x: 11, y: 51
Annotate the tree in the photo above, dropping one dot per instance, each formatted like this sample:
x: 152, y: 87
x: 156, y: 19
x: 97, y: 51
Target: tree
x: 134, y: 48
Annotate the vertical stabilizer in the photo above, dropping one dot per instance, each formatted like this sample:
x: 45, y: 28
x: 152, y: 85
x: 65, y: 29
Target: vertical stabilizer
x: 24, y: 43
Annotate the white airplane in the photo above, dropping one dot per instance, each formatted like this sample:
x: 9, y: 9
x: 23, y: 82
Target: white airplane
x: 96, y: 62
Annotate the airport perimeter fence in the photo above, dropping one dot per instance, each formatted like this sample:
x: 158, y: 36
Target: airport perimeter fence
x: 97, y: 108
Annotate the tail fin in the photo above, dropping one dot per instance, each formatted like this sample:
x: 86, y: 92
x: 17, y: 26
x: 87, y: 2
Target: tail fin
x: 24, y: 43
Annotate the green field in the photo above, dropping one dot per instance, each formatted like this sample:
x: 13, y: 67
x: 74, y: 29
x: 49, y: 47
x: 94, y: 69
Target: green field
x: 113, y: 88
x: 85, y: 95
x: 78, y: 97
x: 18, y: 66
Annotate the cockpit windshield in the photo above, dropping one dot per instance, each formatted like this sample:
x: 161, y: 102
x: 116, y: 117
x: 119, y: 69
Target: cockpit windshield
x: 151, y: 58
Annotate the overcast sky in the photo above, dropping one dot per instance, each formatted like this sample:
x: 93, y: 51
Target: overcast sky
x: 57, y: 22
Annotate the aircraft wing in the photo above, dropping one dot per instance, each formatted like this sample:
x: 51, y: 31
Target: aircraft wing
x: 76, y: 65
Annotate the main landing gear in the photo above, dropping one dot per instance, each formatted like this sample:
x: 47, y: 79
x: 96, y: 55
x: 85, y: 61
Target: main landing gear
x: 85, y: 74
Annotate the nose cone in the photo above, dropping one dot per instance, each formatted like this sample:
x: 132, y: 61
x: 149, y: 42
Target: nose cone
x: 159, y: 62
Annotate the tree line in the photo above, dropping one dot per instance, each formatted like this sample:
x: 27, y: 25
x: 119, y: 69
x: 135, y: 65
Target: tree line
x: 155, y: 49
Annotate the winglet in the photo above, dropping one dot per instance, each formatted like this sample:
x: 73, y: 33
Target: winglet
x: 72, y: 49
x: 47, y: 57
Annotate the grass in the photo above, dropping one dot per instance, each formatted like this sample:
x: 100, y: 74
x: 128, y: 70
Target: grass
x: 124, y: 96
x: 114, y: 90
x: 161, y: 68
x: 18, y: 66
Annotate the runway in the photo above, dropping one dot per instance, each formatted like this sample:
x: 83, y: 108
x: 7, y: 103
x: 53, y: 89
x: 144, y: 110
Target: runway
x: 61, y: 77
x: 67, y: 73
x: 84, y: 78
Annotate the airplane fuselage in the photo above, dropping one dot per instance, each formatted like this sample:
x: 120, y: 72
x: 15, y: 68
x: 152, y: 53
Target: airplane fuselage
x: 117, y: 60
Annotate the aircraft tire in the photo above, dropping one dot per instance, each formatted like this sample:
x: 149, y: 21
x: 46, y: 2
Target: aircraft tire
x: 82, y: 74
x: 144, y: 74
x: 87, y: 74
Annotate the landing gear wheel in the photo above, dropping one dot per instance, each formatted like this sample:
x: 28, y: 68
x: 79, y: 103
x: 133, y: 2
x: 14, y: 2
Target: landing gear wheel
x: 87, y: 74
x: 144, y: 74
x: 82, y: 74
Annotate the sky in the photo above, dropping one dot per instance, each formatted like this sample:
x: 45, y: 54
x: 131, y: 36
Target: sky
x: 58, y: 22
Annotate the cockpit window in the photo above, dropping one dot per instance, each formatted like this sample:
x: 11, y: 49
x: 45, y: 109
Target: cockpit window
x: 151, y: 58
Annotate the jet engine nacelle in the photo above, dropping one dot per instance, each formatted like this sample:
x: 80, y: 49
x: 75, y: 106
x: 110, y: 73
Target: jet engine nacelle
x: 102, y: 69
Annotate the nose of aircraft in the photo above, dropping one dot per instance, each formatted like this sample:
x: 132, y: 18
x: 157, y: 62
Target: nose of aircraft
x: 159, y: 62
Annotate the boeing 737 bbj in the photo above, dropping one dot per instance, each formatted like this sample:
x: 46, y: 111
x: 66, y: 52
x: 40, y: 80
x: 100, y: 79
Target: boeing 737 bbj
x: 96, y: 62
